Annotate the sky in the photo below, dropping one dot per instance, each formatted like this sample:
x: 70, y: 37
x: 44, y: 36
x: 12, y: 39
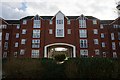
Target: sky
x: 17, y: 9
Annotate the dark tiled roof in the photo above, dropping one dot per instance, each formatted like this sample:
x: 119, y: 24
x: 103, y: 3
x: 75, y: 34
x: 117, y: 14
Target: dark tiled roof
x: 12, y: 21
x: 50, y: 17
x: 106, y: 21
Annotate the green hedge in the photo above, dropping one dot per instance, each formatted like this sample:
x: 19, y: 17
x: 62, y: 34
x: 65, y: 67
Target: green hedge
x: 83, y: 68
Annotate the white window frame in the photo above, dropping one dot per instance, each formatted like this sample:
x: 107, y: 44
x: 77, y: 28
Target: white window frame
x: 35, y: 53
x: 83, y: 33
x: 60, y: 21
x: 59, y: 34
x: 83, y: 43
x: 24, y: 31
x: 118, y: 35
x: 50, y: 31
x: 114, y: 55
x: 68, y: 21
x: 0, y: 36
x: 94, y: 21
x: 101, y: 26
x: 96, y: 41
x: 102, y: 35
x: 5, y: 45
x: 113, y: 46
x: 36, y: 24
x: 104, y: 54
x: 22, y: 52
x: 84, y: 53
x: 17, y: 35
x: 24, y: 21
x: 97, y: 52
x: 68, y: 31
x: 36, y: 33
x: 112, y: 36
x: 50, y: 21
x: 18, y: 26
x: 36, y: 43
x: 15, y: 54
x: 16, y: 44
x: 7, y: 36
x: 82, y: 23
x: 95, y: 31
x: 23, y: 41
x: 5, y: 55
x: 103, y: 44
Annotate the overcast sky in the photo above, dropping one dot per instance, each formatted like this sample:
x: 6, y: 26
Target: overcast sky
x: 102, y: 9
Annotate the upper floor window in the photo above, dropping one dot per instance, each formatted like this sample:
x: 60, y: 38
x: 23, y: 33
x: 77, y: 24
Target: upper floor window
x: 60, y: 33
x: 7, y: 36
x: 35, y: 43
x: 69, y: 31
x: 96, y: 41
x: 18, y: 26
x: 84, y: 53
x: 59, y: 21
x: 50, y: 31
x: 24, y: 31
x: 35, y: 54
x: 101, y: 26
x: 102, y: 35
x: 114, y: 55
x: 68, y: 21
x: 83, y: 33
x: 6, y: 45
x: 16, y: 44
x: 113, y: 46
x: 103, y: 44
x: 50, y: 22
x: 22, y: 52
x: 118, y: 35
x: 82, y: 23
x: 97, y: 51
x: 17, y: 35
x: 95, y: 31
x: 36, y: 33
x: 83, y: 43
x: 36, y: 24
x: 23, y: 41
x: 94, y: 21
x: 24, y: 21
x: 112, y: 36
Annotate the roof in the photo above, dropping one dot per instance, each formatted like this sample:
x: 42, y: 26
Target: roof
x: 106, y: 21
x: 50, y: 17
x: 12, y: 21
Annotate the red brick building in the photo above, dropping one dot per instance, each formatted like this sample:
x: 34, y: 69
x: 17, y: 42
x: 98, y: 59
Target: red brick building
x: 82, y: 36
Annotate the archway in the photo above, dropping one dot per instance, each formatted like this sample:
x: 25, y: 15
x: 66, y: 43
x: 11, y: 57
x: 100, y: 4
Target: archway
x: 70, y: 49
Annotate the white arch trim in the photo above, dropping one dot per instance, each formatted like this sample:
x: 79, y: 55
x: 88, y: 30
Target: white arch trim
x: 45, y: 48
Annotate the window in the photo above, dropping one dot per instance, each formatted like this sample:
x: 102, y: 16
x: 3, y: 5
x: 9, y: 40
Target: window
x: 114, y: 55
x: 22, y: 52
x: 50, y: 31
x: 36, y: 24
x: 59, y: 21
x: 7, y: 36
x: 83, y: 43
x: 102, y: 35
x: 60, y: 33
x: 119, y: 44
x: 69, y: 31
x: 35, y: 54
x: 5, y: 55
x: 95, y: 31
x: 113, y: 46
x: 35, y: 43
x: 97, y: 51
x: 50, y: 22
x: 16, y: 44
x: 24, y: 31
x: 104, y: 54
x: 118, y: 35
x: 6, y: 45
x: 84, y: 53
x: 18, y: 26
x: 68, y: 21
x: 103, y: 44
x: 112, y: 36
x: 94, y: 21
x: 24, y: 21
x: 17, y: 35
x: 36, y: 33
x: 15, y: 54
x: 96, y: 41
x: 83, y: 33
x: 23, y: 41
x: 82, y: 23
x: 101, y: 26
x: 0, y: 35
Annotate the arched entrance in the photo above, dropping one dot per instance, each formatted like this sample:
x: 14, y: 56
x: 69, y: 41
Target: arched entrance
x: 70, y: 52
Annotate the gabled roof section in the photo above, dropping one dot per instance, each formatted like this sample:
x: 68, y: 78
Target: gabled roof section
x: 82, y: 16
x: 61, y: 13
x: 116, y: 20
x: 2, y: 20
x: 27, y: 17
x: 13, y: 21
x: 37, y: 16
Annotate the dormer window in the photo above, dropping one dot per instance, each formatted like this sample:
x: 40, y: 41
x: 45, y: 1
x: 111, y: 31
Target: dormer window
x: 36, y: 22
x: 82, y: 22
x: 50, y: 21
x: 24, y: 21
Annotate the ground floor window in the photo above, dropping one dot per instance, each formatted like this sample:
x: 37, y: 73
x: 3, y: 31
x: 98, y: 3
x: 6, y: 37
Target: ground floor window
x: 104, y: 54
x: 114, y: 55
x: 84, y: 53
x: 5, y: 55
x: 35, y: 54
